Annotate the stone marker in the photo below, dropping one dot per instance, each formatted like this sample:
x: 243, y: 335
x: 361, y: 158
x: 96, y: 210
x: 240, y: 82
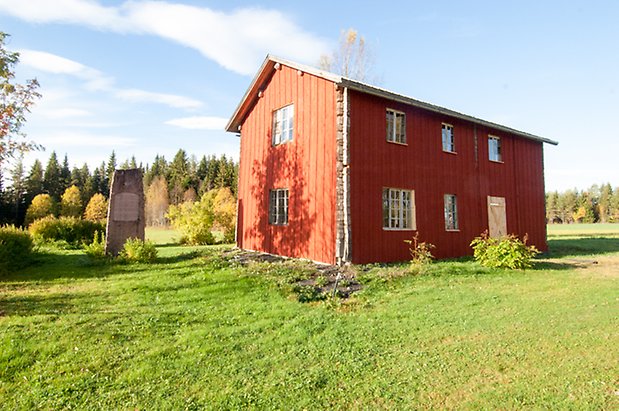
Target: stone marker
x: 125, y: 214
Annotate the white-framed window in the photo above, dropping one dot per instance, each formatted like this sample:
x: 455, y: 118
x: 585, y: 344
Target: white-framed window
x: 451, y: 212
x: 278, y: 206
x: 494, y: 149
x: 396, y: 126
x: 447, y: 134
x: 283, y: 124
x: 398, y: 209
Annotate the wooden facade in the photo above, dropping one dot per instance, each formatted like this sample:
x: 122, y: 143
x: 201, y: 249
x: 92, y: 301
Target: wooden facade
x: 339, y: 162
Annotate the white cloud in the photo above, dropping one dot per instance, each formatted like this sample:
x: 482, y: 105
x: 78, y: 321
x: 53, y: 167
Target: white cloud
x: 52, y: 63
x: 73, y: 139
x: 171, y: 100
x: 86, y: 12
x: 63, y: 113
x: 97, y: 81
x: 238, y: 40
x: 199, y: 123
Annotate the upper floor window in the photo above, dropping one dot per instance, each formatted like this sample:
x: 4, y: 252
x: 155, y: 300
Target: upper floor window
x: 278, y: 206
x: 283, y: 120
x: 447, y: 134
x: 451, y: 212
x: 396, y: 126
x: 494, y: 149
x: 398, y: 209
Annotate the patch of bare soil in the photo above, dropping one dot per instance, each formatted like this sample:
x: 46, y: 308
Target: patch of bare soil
x: 325, y: 279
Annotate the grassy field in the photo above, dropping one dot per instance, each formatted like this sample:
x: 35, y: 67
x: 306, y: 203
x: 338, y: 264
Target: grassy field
x: 195, y: 331
x: 580, y: 230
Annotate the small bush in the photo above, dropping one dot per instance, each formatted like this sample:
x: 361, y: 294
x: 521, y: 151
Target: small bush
x: 503, y: 252
x: 16, y: 248
x: 96, y: 249
x: 308, y: 293
x: 194, y: 221
x: 138, y: 251
x: 421, y: 252
x: 70, y: 230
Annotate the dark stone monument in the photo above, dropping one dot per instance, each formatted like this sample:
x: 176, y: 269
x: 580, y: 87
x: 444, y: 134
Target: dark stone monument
x: 125, y: 214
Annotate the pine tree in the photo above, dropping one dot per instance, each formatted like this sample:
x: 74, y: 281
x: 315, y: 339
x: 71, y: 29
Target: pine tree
x: 111, y: 167
x: 179, y: 177
x: 34, y: 181
x: 18, y: 191
x: 87, y: 188
x: 604, y: 203
x: 552, y: 207
x: 65, y: 173
x: 52, y: 182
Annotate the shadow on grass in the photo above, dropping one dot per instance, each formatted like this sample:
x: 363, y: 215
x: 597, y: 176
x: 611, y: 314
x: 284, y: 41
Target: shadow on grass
x: 560, y: 247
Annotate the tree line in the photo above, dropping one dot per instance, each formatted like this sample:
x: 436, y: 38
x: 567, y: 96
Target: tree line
x: 184, y: 178
x: 598, y: 204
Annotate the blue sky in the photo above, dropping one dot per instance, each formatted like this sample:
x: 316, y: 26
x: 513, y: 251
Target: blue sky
x: 150, y: 77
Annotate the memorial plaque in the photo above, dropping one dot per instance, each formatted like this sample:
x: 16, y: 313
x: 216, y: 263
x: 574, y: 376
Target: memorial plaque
x: 126, y: 207
x: 126, y: 210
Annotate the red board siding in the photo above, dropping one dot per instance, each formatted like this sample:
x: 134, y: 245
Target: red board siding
x: 421, y: 165
x: 306, y: 166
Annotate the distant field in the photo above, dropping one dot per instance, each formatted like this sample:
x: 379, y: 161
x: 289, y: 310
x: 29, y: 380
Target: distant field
x: 559, y: 230
x: 162, y: 235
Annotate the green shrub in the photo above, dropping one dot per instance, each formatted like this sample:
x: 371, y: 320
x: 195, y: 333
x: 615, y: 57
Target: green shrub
x: 503, y: 252
x: 16, y: 248
x: 70, y: 230
x: 194, y: 221
x: 421, y: 252
x: 96, y: 249
x: 138, y: 251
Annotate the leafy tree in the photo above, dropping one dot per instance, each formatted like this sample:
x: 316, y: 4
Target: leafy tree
x: 190, y: 195
x: 71, y: 202
x: 194, y: 220
x: 96, y: 209
x: 42, y: 205
x: 16, y: 101
x: 568, y: 204
x: 224, y: 212
x: 52, y: 182
x: 614, y: 205
x: 352, y: 59
x: 157, y: 202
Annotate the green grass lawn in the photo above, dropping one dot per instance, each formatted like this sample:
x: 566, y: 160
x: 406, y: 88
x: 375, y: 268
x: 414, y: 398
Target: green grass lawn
x: 193, y: 331
x: 557, y: 230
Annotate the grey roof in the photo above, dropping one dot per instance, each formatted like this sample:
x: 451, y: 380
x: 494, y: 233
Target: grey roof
x: 251, y: 94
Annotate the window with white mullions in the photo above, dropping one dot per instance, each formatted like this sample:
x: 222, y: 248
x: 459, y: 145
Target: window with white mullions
x: 278, y: 206
x: 283, y: 127
x: 447, y: 133
x: 398, y: 209
x: 451, y: 212
x: 396, y: 126
x: 494, y: 149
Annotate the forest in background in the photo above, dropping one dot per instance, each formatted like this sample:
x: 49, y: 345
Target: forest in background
x: 598, y: 204
x: 184, y: 178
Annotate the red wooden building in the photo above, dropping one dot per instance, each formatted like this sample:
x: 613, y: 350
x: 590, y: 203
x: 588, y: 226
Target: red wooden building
x: 336, y: 171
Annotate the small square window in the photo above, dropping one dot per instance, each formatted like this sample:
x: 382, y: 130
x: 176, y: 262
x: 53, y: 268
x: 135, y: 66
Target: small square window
x: 278, y: 206
x: 494, y: 149
x: 396, y: 126
x: 283, y: 128
x: 398, y: 209
x: 447, y: 134
x: 451, y: 212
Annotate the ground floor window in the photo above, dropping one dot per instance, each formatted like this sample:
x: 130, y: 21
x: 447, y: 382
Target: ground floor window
x: 278, y: 206
x: 451, y: 212
x: 398, y: 209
